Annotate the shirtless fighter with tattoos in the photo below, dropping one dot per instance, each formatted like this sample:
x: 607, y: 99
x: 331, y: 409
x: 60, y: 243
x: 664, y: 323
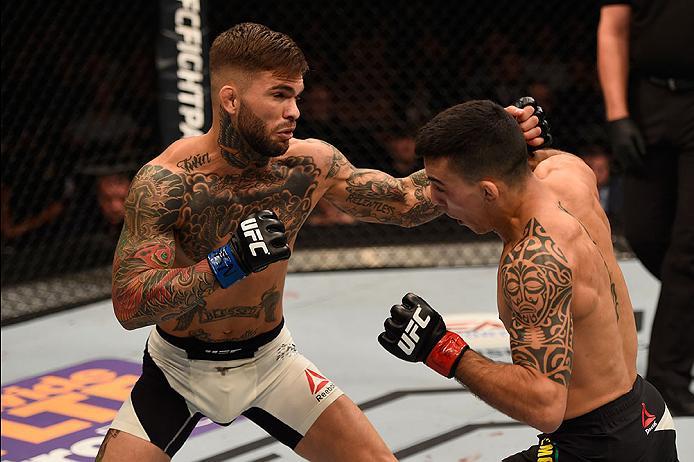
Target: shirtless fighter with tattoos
x: 561, y: 296
x: 219, y: 347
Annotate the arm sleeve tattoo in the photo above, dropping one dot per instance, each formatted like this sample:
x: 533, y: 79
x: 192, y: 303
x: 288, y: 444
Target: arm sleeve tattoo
x: 537, y: 286
x: 146, y: 287
x: 374, y: 196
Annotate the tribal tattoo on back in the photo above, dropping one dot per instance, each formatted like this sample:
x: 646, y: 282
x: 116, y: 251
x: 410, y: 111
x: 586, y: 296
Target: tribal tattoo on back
x: 537, y: 286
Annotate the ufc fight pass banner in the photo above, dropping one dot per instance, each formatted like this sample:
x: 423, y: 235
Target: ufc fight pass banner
x: 63, y: 415
x: 182, y: 64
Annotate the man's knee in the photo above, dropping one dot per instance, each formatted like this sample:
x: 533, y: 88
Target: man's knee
x: 119, y: 445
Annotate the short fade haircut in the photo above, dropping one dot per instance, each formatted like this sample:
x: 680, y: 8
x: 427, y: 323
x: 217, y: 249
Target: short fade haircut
x: 253, y: 47
x: 481, y: 140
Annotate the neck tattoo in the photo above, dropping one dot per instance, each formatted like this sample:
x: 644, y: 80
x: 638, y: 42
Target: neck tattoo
x: 235, y: 150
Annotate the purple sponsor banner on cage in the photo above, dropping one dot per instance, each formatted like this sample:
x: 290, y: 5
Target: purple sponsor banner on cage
x: 64, y: 414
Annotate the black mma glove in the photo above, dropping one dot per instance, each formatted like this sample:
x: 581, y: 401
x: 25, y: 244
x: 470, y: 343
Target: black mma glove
x: 258, y: 241
x: 542, y: 121
x: 628, y: 145
x: 415, y: 332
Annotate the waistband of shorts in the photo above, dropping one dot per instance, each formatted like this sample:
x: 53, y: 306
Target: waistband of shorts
x: 221, y: 351
x: 607, y: 411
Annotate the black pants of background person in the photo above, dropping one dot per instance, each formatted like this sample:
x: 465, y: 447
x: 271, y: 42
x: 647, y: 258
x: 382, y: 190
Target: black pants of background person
x: 658, y: 214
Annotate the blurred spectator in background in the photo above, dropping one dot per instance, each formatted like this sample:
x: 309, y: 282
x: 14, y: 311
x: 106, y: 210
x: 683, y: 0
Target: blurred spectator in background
x: 509, y: 77
x: 543, y: 94
x: 14, y: 228
x: 321, y: 118
x: 111, y: 191
x: 401, y: 154
x: 598, y: 160
x: 646, y: 69
x: 318, y: 112
x: 367, y: 79
x: 100, y: 220
x: 105, y: 129
x: 34, y: 202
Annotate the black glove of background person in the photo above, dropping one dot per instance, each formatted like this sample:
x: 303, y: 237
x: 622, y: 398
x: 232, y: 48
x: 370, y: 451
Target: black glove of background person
x: 628, y: 146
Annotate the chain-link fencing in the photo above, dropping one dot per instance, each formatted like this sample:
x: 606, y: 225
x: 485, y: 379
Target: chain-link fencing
x: 80, y: 116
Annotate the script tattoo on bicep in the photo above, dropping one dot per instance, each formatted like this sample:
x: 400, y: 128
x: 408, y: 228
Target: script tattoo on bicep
x: 537, y: 286
x: 338, y: 160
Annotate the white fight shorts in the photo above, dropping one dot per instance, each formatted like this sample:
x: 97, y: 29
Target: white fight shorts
x: 264, y: 379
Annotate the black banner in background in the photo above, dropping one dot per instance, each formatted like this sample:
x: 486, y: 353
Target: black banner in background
x: 182, y: 64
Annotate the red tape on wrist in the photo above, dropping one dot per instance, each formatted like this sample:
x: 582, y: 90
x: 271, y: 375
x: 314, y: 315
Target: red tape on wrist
x: 446, y: 354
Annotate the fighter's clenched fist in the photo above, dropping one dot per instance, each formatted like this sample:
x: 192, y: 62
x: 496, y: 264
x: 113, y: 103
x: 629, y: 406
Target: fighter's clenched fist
x: 415, y: 332
x: 259, y: 240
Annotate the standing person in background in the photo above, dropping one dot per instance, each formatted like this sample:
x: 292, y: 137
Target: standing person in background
x: 646, y: 70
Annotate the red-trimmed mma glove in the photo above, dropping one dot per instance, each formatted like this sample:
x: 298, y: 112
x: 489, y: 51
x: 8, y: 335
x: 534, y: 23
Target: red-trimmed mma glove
x: 259, y: 241
x: 542, y: 121
x: 415, y: 332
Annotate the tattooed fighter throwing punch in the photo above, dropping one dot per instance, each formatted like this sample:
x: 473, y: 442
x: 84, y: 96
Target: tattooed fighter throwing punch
x: 561, y: 296
x: 220, y: 347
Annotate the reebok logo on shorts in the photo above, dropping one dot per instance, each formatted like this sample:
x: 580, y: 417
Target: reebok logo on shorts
x: 320, y: 386
x: 648, y: 421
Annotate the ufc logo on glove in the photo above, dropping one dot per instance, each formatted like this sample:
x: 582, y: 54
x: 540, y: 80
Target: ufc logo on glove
x: 409, y: 338
x: 251, y: 231
x: 415, y: 338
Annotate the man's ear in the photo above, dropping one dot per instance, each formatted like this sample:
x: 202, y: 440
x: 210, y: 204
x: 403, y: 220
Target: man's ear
x: 228, y: 99
x: 490, y: 191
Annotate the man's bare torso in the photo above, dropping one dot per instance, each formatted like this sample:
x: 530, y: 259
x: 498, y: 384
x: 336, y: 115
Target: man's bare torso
x: 208, y: 198
x: 574, y: 225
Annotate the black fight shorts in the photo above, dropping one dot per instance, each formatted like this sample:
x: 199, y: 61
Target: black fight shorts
x: 636, y: 427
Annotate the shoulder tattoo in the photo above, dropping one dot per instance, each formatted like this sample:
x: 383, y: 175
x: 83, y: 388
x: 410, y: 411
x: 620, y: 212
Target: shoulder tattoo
x: 537, y: 286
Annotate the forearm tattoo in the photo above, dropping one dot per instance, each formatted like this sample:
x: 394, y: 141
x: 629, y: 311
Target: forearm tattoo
x: 379, y: 196
x: 537, y: 286
x: 424, y: 210
x: 144, y: 284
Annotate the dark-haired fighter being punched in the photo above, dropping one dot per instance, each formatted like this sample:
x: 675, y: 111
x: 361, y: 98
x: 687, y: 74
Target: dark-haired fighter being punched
x: 561, y: 296
x: 220, y: 348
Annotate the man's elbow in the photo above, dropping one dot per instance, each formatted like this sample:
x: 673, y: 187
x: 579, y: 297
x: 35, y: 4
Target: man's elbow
x: 548, y: 420
x: 129, y: 324
x: 127, y: 320
x: 550, y: 409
